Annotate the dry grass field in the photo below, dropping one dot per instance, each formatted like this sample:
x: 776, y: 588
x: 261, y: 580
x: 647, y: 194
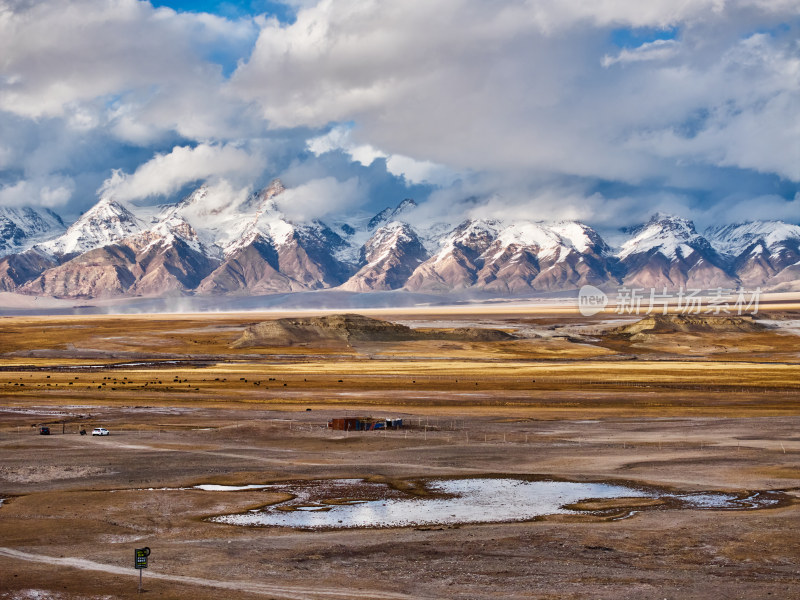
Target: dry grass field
x: 681, y: 412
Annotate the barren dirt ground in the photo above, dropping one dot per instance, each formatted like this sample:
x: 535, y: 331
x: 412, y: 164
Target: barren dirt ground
x: 698, y: 412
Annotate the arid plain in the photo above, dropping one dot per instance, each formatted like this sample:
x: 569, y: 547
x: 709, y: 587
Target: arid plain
x: 571, y: 398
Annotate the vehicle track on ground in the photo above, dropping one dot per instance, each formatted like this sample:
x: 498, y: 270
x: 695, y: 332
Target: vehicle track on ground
x: 279, y: 461
x: 287, y: 592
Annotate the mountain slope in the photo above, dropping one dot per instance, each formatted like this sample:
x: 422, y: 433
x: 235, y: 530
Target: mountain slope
x: 517, y: 258
x: 388, y: 259
x: 98, y: 273
x: 252, y: 269
x: 299, y: 259
x: 761, y: 249
x: 17, y: 269
x: 169, y: 265
x: 136, y: 266
x: 667, y: 252
x: 265, y: 253
x: 456, y: 265
x: 540, y: 257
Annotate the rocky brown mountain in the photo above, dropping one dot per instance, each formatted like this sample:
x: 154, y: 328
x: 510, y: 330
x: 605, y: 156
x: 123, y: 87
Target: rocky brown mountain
x: 129, y: 268
x: 18, y: 269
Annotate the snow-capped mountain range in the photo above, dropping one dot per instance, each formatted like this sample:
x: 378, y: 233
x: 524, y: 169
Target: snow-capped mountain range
x: 211, y: 243
x: 22, y: 227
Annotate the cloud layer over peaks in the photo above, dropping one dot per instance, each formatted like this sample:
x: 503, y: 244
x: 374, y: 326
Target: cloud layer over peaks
x: 536, y: 85
x: 165, y: 174
x: 600, y: 111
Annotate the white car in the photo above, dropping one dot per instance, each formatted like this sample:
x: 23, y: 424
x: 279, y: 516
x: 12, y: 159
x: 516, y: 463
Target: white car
x: 100, y: 431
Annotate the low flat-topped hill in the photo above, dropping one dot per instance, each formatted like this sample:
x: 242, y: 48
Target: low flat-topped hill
x: 691, y: 324
x: 354, y: 328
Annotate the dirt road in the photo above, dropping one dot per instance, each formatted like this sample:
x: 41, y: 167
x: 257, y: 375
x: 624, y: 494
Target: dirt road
x: 273, y: 591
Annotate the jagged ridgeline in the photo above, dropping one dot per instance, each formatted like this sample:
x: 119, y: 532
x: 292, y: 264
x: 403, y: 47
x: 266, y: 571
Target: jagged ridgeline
x: 350, y: 328
x: 212, y: 244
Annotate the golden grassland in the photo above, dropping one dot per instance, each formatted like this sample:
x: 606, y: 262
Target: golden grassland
x: 158, y: 360
x: 685, y: 412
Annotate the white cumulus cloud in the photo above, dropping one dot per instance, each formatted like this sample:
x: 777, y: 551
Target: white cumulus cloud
x: 50, y: 192
x: 656, y: 50
x: 320, y: 197
x: 165, y: 174
x: 413, y: 171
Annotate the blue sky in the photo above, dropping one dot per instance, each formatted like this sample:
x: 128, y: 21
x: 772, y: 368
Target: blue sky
x: 628, y: 37
x: 232, y: 9
x: 603, y: 112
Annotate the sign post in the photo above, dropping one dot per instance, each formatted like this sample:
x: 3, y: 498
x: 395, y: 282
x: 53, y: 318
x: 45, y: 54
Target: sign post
x: 140, y: 562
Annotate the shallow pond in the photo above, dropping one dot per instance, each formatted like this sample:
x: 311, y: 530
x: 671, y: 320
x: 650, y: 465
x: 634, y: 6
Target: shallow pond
x: 350, y: 503
x: 342, y: 505
x: 726, y: 501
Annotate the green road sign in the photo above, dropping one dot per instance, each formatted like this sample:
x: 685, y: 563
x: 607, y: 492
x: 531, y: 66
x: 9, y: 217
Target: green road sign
x: 140, y: 558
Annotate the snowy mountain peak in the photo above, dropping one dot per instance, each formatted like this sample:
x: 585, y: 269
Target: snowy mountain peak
x: 196, y: 197
x: 737, y: 238
x: 474, y: 235
x: 391, y: 214
x: 582, y: 237
x: 109, y: 209
x: 107, y: 222
x: 166, y: 232
x: 550, y: 239
x: 529, y: 234
x: 479, y: 228
x: 274, y: 188
x: 29, y: 219
x: 381, y: 217
x: 22, y: 227
x: 385, y: 240
x: 406, y: 204
x: 387, y: 259
x: 673, y: 223
x: 666, y: 234
x: 263, y: 200
x: 388, y: 235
